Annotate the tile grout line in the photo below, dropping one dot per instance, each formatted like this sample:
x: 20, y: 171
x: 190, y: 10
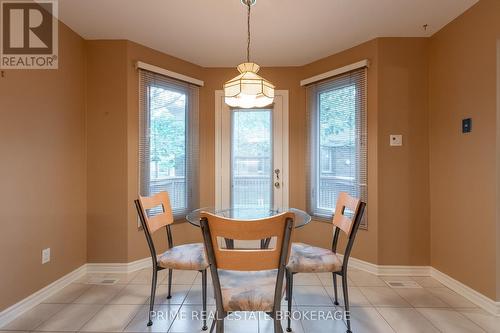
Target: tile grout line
x: 54, y: 314
x: 432, y: 324
x: 385, y: 320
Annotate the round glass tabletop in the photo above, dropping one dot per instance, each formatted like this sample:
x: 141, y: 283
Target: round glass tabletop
x: 301, y: 217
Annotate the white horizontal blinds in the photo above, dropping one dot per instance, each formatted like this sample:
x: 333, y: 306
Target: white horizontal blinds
x: 168, y: 140
x: 337, y: 141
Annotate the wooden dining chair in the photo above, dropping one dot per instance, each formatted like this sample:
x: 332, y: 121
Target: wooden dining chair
x: 181, y: 257
x: 247, y: 279
x: 310, y: 259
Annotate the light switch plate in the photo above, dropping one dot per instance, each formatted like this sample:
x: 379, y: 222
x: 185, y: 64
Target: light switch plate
x: 396, y: 140
x: 45, y: 255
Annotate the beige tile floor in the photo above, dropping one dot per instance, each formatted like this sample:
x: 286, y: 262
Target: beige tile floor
x: 87, y: 307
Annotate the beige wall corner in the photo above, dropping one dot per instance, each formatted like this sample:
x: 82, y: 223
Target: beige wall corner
x: 43, y: 197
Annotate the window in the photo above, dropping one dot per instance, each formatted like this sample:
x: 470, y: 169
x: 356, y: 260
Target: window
x: 251, y: 158
x: 168, y: 143
x: 337, y: 141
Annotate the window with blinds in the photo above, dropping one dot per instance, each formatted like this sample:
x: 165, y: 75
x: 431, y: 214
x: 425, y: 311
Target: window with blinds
x: 337, y: 157
x: 168, y: 142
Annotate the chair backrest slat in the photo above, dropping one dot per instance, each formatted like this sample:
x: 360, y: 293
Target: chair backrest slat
x: 340, y: 220
x: 161, y: 218
x: 248, y: 259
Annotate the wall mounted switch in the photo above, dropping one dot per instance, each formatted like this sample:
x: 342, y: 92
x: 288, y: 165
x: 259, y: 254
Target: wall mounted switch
x: 45, y: 255
x: 466, y: 125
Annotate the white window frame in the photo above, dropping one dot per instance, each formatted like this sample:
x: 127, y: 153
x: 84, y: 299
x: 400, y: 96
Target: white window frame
x: 191, y: 138
x: 314, y: 173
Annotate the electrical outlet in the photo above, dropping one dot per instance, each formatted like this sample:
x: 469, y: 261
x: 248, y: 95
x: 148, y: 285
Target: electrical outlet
x: 395, y: 140
x: 45, y: 255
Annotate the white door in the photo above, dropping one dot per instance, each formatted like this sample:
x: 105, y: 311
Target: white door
x: 251, y: 168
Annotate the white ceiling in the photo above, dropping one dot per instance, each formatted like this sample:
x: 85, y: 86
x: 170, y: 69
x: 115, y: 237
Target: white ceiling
x: 212, y: 33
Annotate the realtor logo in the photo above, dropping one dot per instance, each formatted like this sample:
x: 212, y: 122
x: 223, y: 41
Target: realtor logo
x: 29, y: 38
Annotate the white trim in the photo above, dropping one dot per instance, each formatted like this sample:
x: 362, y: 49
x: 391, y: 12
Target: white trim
x: 119, y: 267
x: 166, y: 72
x: 388, y: 270
x: 219, y: 105
x: 362, y: 265
x: 39, y: 296
x: 335, y: 72
x: 472, y: 295
x: 285, y: 135
x: 219, y: 95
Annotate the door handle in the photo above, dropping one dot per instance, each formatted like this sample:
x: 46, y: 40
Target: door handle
x: 277, y: 184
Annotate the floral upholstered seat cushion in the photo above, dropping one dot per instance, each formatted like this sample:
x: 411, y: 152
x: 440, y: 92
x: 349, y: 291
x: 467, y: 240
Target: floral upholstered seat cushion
x: 248, y: 291
x: 186, y: 257
x: 306, y: 258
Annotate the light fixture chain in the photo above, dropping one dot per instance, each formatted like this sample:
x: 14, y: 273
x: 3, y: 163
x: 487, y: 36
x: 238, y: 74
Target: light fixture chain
x: 248, y: 26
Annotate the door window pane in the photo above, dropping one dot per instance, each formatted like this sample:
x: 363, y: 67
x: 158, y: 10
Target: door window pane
x: 251, y: 158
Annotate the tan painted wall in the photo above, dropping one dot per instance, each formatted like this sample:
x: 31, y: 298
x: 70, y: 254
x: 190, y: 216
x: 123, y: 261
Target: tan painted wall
x: 107, y: 151
x: 463, y: 167
x: 43, y: 194
x: 403, y: 172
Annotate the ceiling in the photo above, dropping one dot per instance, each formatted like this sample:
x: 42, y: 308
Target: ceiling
x: 212, y: 33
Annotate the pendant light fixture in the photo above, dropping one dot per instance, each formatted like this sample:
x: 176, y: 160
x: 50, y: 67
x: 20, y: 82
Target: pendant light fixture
x: 248, y: 90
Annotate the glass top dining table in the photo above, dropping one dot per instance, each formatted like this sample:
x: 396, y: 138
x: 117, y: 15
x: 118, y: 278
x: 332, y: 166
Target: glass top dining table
x: 301, y: 217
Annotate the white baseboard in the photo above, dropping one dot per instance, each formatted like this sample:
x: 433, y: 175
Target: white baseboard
x: 36, y: 298
x: 472, y: 295
x: 119, y: 267
x: 389, y: 270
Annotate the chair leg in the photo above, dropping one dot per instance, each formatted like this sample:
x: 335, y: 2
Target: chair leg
x: 335, y: 288
x: 204, y: 296
x: 290, y: 298
x: 287, y: 290
x: 346, y: 302
x: 277, y: 325
x: 213, y: 325
x: 153, y: 293
x: 170, y: 273
x: 220, y: 326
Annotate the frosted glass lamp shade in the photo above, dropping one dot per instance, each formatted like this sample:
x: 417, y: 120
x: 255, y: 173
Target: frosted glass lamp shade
x: 248, y: 90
